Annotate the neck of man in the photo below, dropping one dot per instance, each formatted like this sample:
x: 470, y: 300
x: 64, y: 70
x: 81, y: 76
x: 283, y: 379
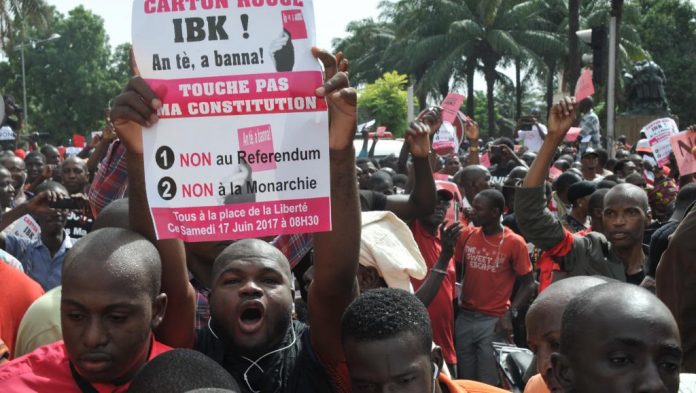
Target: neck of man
x: 589, y: 174
x: 53, y: 241
x: 492, y: 228
x: 633, y: 258
x: 429, y: 227
x: 579, y: 214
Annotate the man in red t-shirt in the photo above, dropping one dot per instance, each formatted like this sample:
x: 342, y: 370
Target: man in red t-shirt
x: 438, y: 253
x: 111, y: 302
x: 492, y: 258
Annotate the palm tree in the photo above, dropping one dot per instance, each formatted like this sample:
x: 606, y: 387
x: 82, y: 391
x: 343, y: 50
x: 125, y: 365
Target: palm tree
x: 504, y: 29
x: 18, y: 15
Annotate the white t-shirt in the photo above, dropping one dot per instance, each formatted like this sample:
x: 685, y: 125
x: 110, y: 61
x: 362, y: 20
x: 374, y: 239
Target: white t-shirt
x: 531, y: 139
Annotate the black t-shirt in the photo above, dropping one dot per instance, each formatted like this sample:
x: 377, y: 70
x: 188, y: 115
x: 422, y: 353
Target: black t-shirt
x: 658, y: 245
x: 499, y: 173
x: 294, y: 370
x: 372, y: 201
x: 78, y: 225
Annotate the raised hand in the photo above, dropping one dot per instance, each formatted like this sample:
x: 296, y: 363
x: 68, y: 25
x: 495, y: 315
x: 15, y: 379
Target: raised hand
x: 132, y: 110
x: 418, y: 139
x: 432, y: 117
x: 342, y: 99
x: 449, y: 235
x: 561, y: 118
x: 471, y: 129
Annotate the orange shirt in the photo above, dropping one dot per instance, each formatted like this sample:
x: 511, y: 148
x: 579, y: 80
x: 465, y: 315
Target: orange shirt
x: 463, y: 386
x: 491, y: 265
x: 48, y: 370
x: 440, y: 309
x: 17, y: 293
x: 536, y: 384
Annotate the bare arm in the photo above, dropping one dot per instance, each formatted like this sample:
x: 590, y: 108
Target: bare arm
x: 471, y: 129
x: 428, y: 290
x: 538, y: 225
x: 133, y: 109
x: 524, y: 292
x: 336, y: 252
x: 421, y: 201
x: 371, y: 153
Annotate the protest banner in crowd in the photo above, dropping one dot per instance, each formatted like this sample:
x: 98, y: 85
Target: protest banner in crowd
x: 658, y: 134
x: 683, y: 146
x: 241, y: 148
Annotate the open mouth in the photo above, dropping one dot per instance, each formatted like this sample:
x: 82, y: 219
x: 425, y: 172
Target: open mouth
x: 251, y: 317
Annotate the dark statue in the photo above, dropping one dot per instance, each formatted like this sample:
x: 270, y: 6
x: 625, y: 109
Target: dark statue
x: 645, y: 90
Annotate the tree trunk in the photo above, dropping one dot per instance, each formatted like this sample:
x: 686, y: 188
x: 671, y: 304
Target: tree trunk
x: 444, y: 88
x: 574, y: 57
x: 518, y: 90
x: 489, y: 71
x: 470, y: 74
x: 422, y: 100
x: 549, y: 85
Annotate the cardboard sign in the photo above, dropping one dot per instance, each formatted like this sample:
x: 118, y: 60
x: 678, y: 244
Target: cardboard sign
x: 573, y: 134
x: 363, y: 126
x: 78, y: 140
x: 584, y: 88
x: 241, y: 148
x: 683, y: 144
x: 658, y: 134
x: 445, y: 140
x: 6, y: 134
x: 485, y: 160
x: 450, y: 106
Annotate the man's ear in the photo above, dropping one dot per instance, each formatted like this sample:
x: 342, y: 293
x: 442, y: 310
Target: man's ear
x: 437, y: 358
x: 562, y: 371
x: 159, y: 307
x: 368, y: 278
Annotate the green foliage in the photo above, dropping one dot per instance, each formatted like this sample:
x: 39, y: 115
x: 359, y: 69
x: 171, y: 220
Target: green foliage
x: 668, y: 32
x: 386, y: 101
x: 70, y: 80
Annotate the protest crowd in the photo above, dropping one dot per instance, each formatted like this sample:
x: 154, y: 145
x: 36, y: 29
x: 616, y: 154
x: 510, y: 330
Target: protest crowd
x: 440, y: 273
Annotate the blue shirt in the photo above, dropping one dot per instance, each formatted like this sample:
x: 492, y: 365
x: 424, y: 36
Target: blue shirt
x: 36, y: 259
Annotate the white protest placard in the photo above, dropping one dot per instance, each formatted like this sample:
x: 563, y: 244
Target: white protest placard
x: 241, y: 148
x: 6, y: 134
x: 658, y: 134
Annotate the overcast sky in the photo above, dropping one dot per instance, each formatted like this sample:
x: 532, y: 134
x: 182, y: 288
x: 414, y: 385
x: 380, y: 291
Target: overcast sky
x: 332, y: 16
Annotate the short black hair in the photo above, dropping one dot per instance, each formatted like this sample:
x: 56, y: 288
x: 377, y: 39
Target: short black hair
x: 606, y: 184
x: 495, y: 198
x: 51, y: 186
x: 621, y: 164
x: 182, y: 370
x: 385, y: 313
x: 603, y: 156
x: 505, y: 141
x: 597, y: 198
x: 117, y: 252
x: 34, y: 154
x: 565, y: 180
x: 687, y: 194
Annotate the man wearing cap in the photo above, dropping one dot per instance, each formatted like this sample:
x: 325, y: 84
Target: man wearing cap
x: 579, y: 197
x: 437, y: 250
x: 590, y: 162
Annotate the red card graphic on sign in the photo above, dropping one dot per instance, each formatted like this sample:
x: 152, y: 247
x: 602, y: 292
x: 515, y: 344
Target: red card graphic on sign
x: 294, y: 23
x: 259, y: 139
x: 450, y: 106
